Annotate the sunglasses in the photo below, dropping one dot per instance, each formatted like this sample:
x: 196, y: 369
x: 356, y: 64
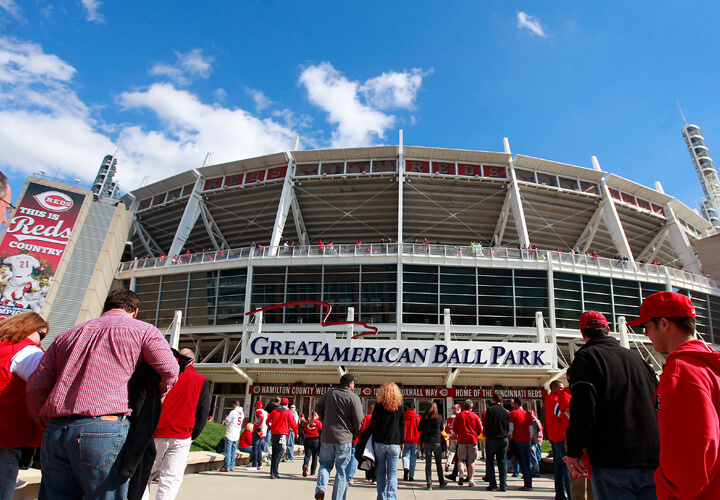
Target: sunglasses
x: 42, y: 334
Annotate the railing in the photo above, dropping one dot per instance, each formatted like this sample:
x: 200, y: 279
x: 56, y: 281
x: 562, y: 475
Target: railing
x: 577, y: 261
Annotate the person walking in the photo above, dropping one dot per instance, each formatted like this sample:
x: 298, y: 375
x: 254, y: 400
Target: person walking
x: 412, y: 441
x: 281, y: 422
x: 497, y: 428
x: 290, y: 454
x: 556, y: 423
x: 20, y: 353
x: 387, y: 427
x: 340, y: 410
x: 313, y: 427
x: 185, y: 412
x: 258, y: 438
x: 430, y: 428
x: 468, y: 427
x: 80, y: 390
x: 233, y: 425
x: 687, y: 399
x: 612, y: 414
x: 452, y: 443
x: 522, y: 434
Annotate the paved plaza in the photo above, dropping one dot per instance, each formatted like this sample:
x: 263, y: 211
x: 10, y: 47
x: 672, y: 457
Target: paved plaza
x: 214, y: 484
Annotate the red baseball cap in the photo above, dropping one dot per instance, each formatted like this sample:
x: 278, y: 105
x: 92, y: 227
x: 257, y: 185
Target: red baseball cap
x: 593, y: 319
x: 285, y: 401
x: 258, y: 404
x: 664, y: 305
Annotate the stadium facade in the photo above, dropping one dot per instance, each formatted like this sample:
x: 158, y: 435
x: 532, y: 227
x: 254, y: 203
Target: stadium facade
x: 455, y: 273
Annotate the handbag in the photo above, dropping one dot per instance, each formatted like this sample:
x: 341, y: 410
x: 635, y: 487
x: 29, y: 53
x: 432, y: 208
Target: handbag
x: 220, y: 447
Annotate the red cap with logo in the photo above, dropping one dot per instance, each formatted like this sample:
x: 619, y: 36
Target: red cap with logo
x: 258, y: 404
x: 664, y: 305
x: 593, y: 319
x: 285, y: 401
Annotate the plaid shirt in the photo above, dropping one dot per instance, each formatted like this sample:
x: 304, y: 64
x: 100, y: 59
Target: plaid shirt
x: 86, y: 370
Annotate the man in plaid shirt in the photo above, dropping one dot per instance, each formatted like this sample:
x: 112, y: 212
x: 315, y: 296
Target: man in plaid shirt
x: 80, y: 392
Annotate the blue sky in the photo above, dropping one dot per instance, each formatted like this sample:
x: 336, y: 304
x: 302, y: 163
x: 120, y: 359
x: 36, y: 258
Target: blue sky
x: 563, y: 80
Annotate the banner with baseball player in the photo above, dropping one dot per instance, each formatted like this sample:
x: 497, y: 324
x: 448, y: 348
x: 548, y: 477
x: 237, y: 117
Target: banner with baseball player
x: 33, y: 246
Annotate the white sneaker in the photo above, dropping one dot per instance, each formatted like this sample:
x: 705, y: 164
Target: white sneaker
x: 471, y: 483
x: 251, y: 468
x: 20, y: 484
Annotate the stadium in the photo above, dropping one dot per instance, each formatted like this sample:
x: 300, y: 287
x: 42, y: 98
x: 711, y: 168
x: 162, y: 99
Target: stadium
x: 455, y: 273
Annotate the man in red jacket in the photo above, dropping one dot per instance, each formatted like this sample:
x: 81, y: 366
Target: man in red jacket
x: 468, y: 427
x: 556, y: 425
x: 184, y: 415
x: 281, y: 423
x: 686, y: 400
x: 522, y: 432
x: 412, y: 440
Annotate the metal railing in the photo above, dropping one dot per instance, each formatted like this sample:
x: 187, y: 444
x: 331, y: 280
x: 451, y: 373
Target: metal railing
x: 564, y: 259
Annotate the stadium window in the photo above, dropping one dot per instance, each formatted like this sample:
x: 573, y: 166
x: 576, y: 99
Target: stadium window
x: 546, y: 179
x: 233, y: 180
x: 341, y: 290
x: 416, y: 166
x: 307, y: 169
x: 187, y: 190
x: 643, y: 204
x: 256, y: 176
x: 231, y: 296
x: 211, y: 184
x: 567, y: 183
x: 615, y: 194
x: 202, y: 298
x: 443, y: 168
x: 148, y: 289
x: 628, y: 198
x: 525, y: 175
x: 384, y: 166
x: 589, y: 187
x: 158, y: 199
x: 144, y: 204
x: 173, y: 297
x: 358, y: 167
x: 658, y: 209
x: 274, y: 173
x: 378, y: 299
x: 494, y: 172
x: 174, y: 194
x: 330, y: 169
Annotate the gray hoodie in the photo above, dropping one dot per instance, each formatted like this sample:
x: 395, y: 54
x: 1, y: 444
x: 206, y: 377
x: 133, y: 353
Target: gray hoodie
x: 340, y: 412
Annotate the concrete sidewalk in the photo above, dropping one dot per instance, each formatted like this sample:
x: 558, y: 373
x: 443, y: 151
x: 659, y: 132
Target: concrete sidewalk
x: 257, y: 484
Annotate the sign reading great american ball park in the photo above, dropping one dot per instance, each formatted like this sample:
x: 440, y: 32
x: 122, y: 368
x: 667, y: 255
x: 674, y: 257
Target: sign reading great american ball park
x: 326, y: 348
x: 33, y: 246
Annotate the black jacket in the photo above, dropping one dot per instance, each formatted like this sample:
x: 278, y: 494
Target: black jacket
x: 387, y: 427
x: 431, y: 430
x: 497, y: 422
x: 612, y: 410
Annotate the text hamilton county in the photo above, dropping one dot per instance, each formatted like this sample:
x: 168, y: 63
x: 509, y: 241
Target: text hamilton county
x: 439, y: 354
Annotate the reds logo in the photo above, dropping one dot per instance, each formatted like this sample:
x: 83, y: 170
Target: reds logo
x: 54, y: 201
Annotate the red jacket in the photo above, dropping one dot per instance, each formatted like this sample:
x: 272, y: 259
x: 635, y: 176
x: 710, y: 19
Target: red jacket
x: 468, y: 427
x: 522, y: 424
x: 412, y: 434
x: 314, y: 430
x: 180, y: 406
x: 687, y: 400
x: 245, y: 440
x: 555, y: 424
x: 281, y: 420
x: 18, y: 427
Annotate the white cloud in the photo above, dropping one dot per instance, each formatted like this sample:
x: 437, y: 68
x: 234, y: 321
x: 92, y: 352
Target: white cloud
x: 92, y: 6
x: 188, y: 66
x: 261, y: 100
x: 10, y: 6
x: 531, y: 23
x: 358, y: 123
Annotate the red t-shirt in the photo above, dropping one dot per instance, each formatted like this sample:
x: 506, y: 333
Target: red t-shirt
x: 521, y: 422
x: 312, y: 431
x: 245, y: 440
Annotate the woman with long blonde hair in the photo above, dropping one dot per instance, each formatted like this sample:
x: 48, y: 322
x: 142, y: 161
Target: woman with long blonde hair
x: 387, y: 426
x: 20, y: 353
x: 312, y: 443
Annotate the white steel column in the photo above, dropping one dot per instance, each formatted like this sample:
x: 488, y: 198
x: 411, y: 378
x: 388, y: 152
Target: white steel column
x: 517, y: 206
x: 681, y: 243
x: 283, y: 207
x: 551, y: 305
x: 246, y: 317
x: 189, y: 218
x: 612, y: 219
x: 175, y: 331
x: 400, y: 281
x: 623, y: 331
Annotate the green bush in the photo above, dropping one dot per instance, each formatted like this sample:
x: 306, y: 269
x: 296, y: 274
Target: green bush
x: 209, y: 438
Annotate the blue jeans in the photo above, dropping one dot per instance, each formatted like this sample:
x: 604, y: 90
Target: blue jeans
x: 257, y: 450
x: 9, y: 466
x: 535, y: 459
x: 81, y: 457
x: 337, y: 455
x: 230, y: 454
x: 409, y: 458
x: 290, y: 454
x: 496, y: 448
x: 352, y: 467
x: 523, y: 458
x: 562, y: 474
x: 621, y: 484
x: 386, y: 459
x: 312, y: 449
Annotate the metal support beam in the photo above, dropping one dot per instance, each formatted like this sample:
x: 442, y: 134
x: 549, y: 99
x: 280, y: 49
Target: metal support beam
x: 220, y: 345
x: 516, y: 201
x: 622, y: 330
x: 286, y: 196
x: 680, y: 243
x: 612, y: 219
x: 651, y: 251
x: 175, y: 330
x: 218, y: 240
x: 451, y: 376
x: 502, y: 220
x: 150, y: 245
x: 189, y: 218
x: 588, y: 234
x: 400, y: 240
x: 299, y: 220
